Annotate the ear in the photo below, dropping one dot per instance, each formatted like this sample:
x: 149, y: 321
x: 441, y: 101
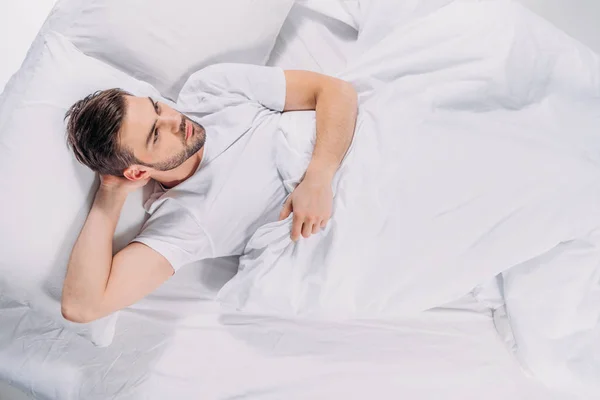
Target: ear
x: 136, y: 172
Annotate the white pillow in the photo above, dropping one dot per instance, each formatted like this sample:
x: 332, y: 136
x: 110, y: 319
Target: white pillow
x: 163, y: 42
x: 47, y: 194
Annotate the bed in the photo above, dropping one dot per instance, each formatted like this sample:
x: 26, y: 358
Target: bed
x: 177, y: 343
x: 452, y: 353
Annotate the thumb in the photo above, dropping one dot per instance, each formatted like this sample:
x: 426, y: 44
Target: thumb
x: 287, y: 209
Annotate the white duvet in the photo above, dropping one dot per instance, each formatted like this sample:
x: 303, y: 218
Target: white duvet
x: 476, y: 149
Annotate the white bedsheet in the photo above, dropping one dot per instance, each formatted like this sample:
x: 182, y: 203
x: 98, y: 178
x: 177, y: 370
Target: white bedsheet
x: 473, y: 152
x: 176, y: 344
x: 196, y: 353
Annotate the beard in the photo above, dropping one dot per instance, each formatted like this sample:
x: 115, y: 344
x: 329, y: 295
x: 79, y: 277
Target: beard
x: 198, y: 140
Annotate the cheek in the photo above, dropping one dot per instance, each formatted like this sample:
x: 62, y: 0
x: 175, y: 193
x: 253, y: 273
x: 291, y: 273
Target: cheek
x: 171, y: 147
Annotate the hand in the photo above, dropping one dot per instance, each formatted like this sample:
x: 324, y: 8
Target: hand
x: 311, y: 203
x: 118, y: 184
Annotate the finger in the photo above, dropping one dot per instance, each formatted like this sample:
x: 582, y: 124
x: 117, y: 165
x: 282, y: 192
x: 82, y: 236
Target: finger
x: 316, y: 227
x: 324, y: 223
x: 297, y: 228
x: 286, y: 210
x: 307, y: 228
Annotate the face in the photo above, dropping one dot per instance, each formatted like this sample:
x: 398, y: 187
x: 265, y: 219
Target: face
x: 159, y: 136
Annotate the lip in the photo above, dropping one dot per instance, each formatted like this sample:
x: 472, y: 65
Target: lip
x: 188, y: 130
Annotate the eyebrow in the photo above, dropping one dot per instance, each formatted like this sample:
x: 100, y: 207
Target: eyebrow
x: 153, y: 126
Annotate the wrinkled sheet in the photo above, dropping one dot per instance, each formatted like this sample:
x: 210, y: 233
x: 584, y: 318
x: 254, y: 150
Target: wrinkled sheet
x: 553, y: 307
x: 476, y: 150
x: 177, y: 345
x: 470, y: 156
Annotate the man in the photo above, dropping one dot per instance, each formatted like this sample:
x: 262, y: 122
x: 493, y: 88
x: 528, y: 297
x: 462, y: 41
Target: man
x: 213, y: 164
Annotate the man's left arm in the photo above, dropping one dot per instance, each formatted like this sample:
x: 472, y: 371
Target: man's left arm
x: 335, y: 102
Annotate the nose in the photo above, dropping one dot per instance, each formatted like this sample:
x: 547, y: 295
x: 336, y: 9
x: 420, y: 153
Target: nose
x: 172, y: 122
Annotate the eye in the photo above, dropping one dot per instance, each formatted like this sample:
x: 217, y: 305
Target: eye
x: 157, y: 110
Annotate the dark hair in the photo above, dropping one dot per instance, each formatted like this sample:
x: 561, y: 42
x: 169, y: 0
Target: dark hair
x: 93, y: 132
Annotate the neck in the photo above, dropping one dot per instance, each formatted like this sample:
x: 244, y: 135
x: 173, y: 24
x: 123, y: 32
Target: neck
x: 175, y: 176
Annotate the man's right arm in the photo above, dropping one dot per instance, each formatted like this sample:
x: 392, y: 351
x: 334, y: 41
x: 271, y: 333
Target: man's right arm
x: 98, y: 284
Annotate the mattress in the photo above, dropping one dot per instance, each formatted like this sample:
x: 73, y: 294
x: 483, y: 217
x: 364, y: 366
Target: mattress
x: 177, y: 343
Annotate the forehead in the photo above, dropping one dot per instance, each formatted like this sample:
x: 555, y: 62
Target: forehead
x: 138, y: 121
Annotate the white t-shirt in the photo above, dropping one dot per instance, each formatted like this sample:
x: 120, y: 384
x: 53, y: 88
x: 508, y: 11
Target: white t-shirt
x: 237, y: 187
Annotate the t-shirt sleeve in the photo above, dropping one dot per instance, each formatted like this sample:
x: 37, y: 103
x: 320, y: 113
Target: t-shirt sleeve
x: 243, y: 82
x: 174, y: 233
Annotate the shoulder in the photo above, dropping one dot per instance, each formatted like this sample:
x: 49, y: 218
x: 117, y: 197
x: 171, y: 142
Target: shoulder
x: 213, y: 77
